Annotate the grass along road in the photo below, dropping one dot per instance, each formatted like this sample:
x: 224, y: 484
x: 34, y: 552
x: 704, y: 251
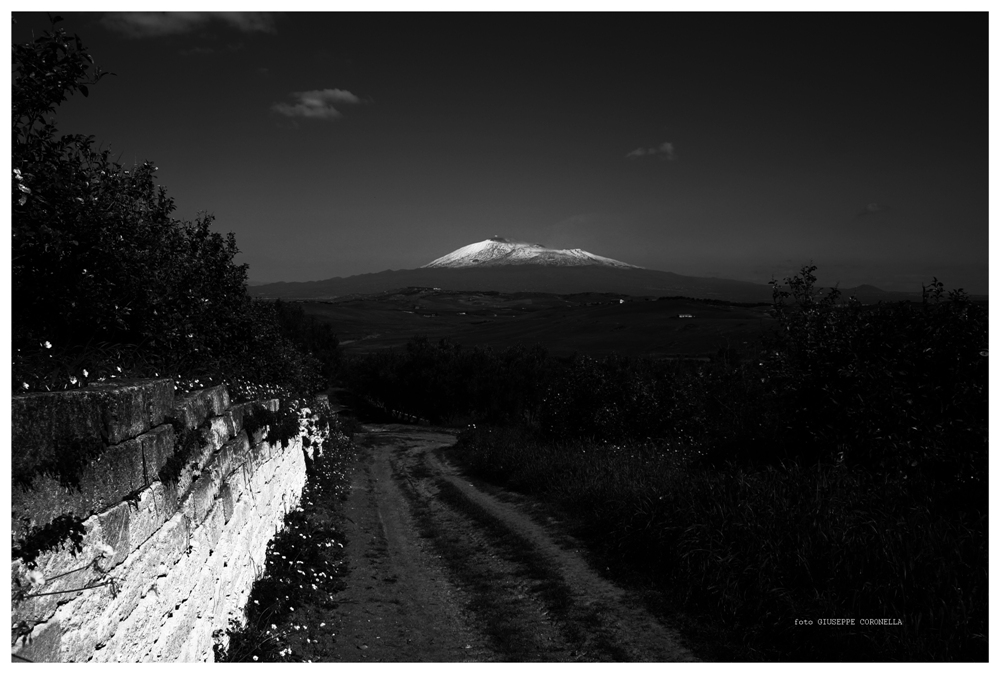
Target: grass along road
x: 442, y: 571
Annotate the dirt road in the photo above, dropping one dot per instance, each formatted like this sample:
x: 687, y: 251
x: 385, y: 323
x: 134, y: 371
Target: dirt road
x: 442, y: 571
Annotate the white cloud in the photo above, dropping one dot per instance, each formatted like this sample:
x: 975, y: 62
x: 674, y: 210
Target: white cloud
x: 664, y: 150
x: 318, y: 104
x: 873, y: 208
x: 157, y: 24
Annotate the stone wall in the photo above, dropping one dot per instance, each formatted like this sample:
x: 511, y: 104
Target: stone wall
x: 163, y: 557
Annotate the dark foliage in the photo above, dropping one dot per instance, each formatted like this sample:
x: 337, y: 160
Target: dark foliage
x: 54, y: 534
x: 105, y: 281
x: 311, y: 336
x: 282, y: 426
x: 445, y: 382
x: 838, y: 469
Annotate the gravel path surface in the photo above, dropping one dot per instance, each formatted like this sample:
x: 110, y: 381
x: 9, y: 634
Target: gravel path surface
x: 442, y: 571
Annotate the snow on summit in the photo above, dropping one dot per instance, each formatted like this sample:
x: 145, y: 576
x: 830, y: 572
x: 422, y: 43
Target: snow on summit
x: 498, y: 251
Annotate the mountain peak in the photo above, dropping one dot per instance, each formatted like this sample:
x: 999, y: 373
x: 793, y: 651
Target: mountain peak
x: 498, y: 251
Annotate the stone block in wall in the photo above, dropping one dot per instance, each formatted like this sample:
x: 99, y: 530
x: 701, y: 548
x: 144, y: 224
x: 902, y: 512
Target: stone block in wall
x: 167, y: 499
x: 46, y: 425
x: 181, y: 637
x: 240, y: 448
x: 214, y: 525
x: 157, y: 448
x: 115, y: 525
x: 202, y: 496
x: 92, y: 620
x: 177, y: 629
x: 218, y: 430
x: 225, y: 457
x: 130, y: 524
x: 118, y: 471
x: 164, y: 564
x: 226, y: 500
x: 132, y: 639
x: 193, y: 469
x: 66, y: 571
x: 192, y: 409
x: 148, y: 514
x: 236, y: 483
x: 42, y: 645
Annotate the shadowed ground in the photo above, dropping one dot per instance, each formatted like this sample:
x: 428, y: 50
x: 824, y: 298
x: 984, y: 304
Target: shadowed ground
x: 591, y: 323
x: 441, y: 571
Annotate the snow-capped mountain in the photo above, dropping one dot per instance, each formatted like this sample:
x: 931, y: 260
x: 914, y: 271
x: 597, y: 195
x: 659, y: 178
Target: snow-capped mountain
x: 498, y: 251
x: 499, y: 265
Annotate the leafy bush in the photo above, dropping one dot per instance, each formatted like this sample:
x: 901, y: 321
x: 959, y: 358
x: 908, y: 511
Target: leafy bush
x: 895, y: 386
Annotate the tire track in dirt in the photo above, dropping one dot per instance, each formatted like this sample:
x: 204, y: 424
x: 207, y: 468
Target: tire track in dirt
x: 442, y: 571
x: 398, y: 605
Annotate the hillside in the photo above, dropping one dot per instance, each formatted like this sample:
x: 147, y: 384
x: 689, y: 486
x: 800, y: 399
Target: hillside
x: 560, y: 280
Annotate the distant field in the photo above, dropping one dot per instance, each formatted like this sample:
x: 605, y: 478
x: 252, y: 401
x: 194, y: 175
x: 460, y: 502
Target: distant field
x: 589, y: 323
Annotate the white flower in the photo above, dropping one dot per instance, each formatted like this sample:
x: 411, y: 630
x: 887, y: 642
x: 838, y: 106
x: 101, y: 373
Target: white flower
x: 36, y: 578
x: 85, y: 373
x: 72, y: 379
x: 47, y: 344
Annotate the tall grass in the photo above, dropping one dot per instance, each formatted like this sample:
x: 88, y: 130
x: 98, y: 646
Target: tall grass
x: 751, y: 551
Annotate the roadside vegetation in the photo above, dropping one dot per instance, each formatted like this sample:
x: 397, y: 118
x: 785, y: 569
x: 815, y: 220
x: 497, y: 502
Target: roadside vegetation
x: 304, y: 567
x: 835, y: 470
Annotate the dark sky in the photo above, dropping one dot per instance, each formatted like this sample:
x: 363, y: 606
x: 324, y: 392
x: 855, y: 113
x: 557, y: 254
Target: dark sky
x: 739, y: 146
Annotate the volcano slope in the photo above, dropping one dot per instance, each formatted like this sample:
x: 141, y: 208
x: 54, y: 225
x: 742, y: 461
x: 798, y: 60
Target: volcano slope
x: 443, y: 571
